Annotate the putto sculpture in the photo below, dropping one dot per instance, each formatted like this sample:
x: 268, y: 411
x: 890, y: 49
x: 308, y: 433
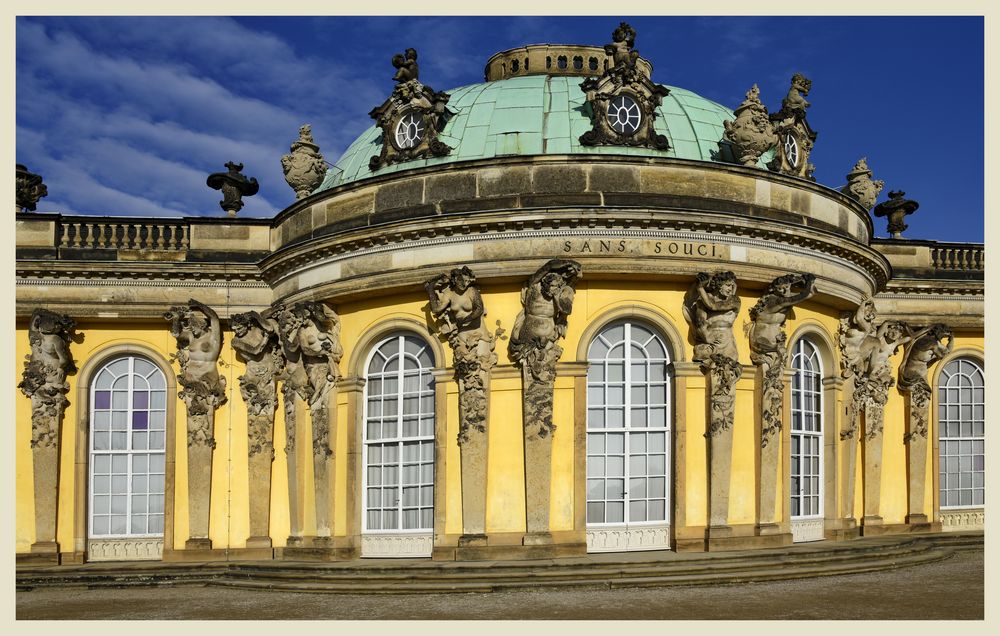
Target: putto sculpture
x: 28, y: 189
x: 623, y: 100
x: 547, y: 300
x: 751, y: 133
x: 44, y: 376
x: 860, y: 186
x: 304, y: 168
x: 795, y: 136
x: 768, y: 348
x: 411, y: 118
x: 234, y: 186
x: 896, y: 209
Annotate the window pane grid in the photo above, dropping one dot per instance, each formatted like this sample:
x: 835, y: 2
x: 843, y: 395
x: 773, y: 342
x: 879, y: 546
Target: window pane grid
x: 627, y: 427
x: 127, y: 442
x: 961, y: 428
x: 807, y: 432
x: 399, y: 437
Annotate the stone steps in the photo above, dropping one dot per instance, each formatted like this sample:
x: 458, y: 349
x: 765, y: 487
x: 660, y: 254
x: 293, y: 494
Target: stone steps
x: 614, y: 570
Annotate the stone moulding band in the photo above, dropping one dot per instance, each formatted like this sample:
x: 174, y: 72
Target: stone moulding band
x: 117, y: 282
x: 529, y: 234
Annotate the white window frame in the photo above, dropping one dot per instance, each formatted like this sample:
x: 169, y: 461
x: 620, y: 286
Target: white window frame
x: 944, y: 404
x: 399, y: 440
x: 128, y: 452
x: 626, y: 534
x: 807, y: 527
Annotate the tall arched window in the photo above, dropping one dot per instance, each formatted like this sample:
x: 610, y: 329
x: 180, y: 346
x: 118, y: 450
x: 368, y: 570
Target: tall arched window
x: 127, y: 445
x: 399, y: 447
x: 961, y: 414
x: 806, y: 488
x: 628, y: 439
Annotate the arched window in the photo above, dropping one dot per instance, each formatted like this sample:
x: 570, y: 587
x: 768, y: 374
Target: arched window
x: 399, y: 444
x: 806, y: 488
x: 961, y: 414
x: 127, y: 445
x: 628, y: 439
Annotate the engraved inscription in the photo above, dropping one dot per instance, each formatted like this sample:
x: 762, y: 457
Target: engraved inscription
x: 645, y: 248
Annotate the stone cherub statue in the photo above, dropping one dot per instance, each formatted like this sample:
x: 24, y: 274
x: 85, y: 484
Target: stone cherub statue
x: 860, y: 185
x: 44, y: 376
x: 751, y: 133
x: 622, y: 49
x: 304, y: 168
x: 767, y: 341
x: 406, y: 66
x: 456, y: 303
x: 199, y: 342
x: 795, y: 102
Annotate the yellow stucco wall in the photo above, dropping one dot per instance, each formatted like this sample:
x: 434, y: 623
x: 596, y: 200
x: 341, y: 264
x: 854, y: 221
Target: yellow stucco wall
x: 229, y: 526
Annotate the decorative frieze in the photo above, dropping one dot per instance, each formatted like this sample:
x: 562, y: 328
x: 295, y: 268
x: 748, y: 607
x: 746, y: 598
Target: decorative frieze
x: 199, y: 341
x: 547, y: 300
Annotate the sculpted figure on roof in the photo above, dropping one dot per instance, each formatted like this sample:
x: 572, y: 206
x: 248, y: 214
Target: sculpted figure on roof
x: 406, y: 65
x: 860, y: 185
x: 622, y: 49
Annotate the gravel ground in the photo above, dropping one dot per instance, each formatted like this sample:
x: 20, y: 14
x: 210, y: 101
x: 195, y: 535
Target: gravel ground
x: 949, y: 589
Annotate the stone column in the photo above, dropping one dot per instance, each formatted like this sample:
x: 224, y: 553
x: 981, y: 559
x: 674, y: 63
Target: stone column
x: 295, y: 412
x: 324, y: 419
x: 547, y: 300
x: 849, y: 451
x: 199, y: 342
x: 44, y: 381
x: 770, y: 450
x: 256, y: 341
x: 916, y: 458
x: 873, y: 468
x: 456, y: 303
x: 723, y: 374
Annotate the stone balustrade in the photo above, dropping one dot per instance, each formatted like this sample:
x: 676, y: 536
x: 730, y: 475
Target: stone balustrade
x: 123, y: 234
x: 962, y: 257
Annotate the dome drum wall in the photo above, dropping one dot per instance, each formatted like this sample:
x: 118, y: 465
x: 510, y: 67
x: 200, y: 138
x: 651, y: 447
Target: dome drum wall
x: 665, y: 219
x: 553, y: 59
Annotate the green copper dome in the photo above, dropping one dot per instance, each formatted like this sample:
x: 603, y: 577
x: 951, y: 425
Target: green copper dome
x: 541, y: 115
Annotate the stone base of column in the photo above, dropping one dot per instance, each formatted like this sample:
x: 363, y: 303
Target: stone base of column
x: 294, y: 541
x: 320, y: 549
x: 250, y: 554
x: 764, y: 529
x: 841, y: 529
x: 259, y: 542
x: 471, y: 540
x: 198, y: 543
x: 743, y: 537
x: 537, y: 538
x: 42, y: 553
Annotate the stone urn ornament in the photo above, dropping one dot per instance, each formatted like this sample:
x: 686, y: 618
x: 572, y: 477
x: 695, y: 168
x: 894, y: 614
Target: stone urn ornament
x: 896, y: 209
x: 751, y: 133
x: 860, y: 186
x: 28, y: 189
x: 304, y: 167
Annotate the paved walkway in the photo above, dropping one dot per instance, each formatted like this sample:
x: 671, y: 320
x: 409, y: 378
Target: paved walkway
x: 948, y: 589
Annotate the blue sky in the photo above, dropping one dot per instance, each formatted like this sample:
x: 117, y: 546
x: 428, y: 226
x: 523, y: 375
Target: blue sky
x: 128, y: 116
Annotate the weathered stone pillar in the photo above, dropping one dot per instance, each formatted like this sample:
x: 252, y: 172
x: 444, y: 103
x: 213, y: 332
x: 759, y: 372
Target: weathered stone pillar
x: 921, y: 352
x: 457, y: 305
x: 310, y: 338
x: 199, y: 342
x: 547, y: 300
x: 872, y: 468
x: 44, y: 381
x: 769, y: 354
x: 849, y: 434
x: 257, y: 342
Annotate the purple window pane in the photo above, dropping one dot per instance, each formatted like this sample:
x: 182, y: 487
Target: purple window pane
x: 140, y: 420
x: 102, y: 399
x: 140, y: 400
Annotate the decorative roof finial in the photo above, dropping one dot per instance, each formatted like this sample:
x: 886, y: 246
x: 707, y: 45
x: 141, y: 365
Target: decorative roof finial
x: 860, y: 185
x: 622, y: 49
x: 304, y: 168
x: 28, y: 189
x: 896, y: 209
x: 234, y: 187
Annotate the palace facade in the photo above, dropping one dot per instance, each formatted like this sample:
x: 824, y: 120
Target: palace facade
x: 565, y: 310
